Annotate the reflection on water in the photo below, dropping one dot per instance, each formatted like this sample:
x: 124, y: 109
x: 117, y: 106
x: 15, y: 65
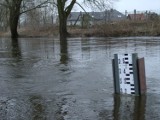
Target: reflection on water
x: 16, y: 52
x: 43, y: 78
x: 38, y: 112
x: 129, y: 107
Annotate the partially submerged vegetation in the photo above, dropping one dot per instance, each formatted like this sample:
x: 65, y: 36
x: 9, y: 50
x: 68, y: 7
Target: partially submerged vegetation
x: 123, y: 28
x: 115, y: 29
x: 45, y: 18
x: 14, y: 13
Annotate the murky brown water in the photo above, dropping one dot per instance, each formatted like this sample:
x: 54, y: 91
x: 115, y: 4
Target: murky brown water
x: 43, y: 80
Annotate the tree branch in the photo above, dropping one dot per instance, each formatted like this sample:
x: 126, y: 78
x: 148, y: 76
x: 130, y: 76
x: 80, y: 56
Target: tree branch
x: 69, y: 7
x: 5, y: 5
x: 38, y: 6
x: 81, y: 7
x: 53, y: 3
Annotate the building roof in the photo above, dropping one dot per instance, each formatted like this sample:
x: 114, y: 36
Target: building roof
x: 105, y: 15
x: 114, y: 15
x: 74, y: 16
x: 136, y: 16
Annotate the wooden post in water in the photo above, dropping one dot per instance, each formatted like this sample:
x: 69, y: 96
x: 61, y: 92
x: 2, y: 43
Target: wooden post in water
x: 142, y: 76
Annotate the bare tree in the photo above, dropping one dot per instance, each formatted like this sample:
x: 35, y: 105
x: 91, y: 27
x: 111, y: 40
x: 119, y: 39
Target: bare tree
x: 33, y: 18
x: 99, y: 4
x: 43, y: 17
x: 3, y: 18
x: 65, y: 6
x: 16, y: 8
x: 63, y: 12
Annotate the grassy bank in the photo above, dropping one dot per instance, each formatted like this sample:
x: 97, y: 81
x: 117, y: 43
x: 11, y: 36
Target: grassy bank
x: 46, y: 31
x: 125, y: 28
x: 116, y: 29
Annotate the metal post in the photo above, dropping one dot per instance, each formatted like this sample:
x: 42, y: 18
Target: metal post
x: 116, y: 74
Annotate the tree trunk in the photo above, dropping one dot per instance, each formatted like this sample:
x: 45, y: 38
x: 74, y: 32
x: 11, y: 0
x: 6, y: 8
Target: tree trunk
x: 14, y: 17
x: 13, y: 25
x: 63, y: 15
x: 64, y: 51
x: 62, y: 19
x: 63, y: 27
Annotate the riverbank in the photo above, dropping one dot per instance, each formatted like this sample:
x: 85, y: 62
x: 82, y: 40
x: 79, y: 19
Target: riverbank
x: 118, y: 29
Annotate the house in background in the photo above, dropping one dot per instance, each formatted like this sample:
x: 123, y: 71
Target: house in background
x: 113, y: 15
x: 92, y: 18
x: 143, y: 16
x: 136, y: 17
x: 74, y: 19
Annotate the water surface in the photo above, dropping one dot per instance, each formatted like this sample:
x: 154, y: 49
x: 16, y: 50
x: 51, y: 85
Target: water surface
x: 41, y: 79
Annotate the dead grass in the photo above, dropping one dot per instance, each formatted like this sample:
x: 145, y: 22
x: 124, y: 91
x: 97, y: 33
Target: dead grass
x: 122, y: 28
x: 39, y: 32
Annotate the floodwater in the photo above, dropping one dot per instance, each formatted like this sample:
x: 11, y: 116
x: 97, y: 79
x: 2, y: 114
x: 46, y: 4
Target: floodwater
x: 41, y: 79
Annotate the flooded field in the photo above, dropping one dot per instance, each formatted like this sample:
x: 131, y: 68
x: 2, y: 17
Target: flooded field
x: 41, y: 79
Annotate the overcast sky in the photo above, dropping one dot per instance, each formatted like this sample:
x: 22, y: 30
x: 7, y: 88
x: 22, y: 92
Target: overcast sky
x: 140, y: 5
x: 130, y: 5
